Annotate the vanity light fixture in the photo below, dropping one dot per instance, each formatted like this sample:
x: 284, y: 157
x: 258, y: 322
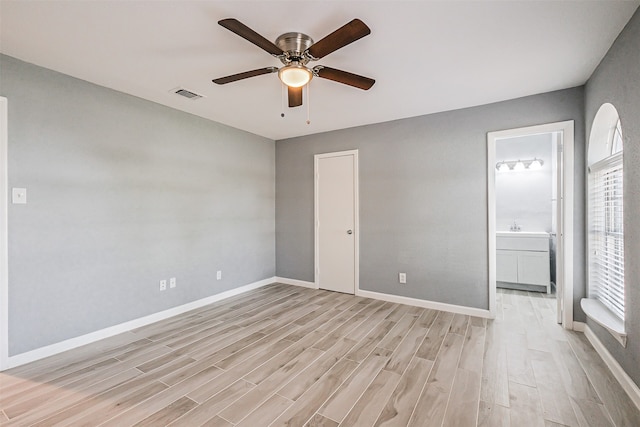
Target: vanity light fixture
x: 536, y: 164
x: 502, y: 167
x: 519, y: 165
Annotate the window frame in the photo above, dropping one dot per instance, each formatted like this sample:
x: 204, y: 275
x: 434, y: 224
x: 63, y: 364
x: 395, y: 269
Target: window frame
x: 606, y: 285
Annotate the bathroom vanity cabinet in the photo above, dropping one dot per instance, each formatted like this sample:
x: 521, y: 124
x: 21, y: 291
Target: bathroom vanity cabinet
x: 522, y: 258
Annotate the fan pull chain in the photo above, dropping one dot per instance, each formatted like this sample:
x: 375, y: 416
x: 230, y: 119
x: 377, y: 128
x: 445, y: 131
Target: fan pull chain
x: 308, y: 104
x: 283, y: 96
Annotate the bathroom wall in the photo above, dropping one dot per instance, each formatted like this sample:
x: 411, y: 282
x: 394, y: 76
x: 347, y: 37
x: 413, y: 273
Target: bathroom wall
x: 525, y: 196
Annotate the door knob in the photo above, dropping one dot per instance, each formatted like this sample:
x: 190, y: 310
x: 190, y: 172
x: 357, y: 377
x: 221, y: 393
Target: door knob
x: 349, y: 232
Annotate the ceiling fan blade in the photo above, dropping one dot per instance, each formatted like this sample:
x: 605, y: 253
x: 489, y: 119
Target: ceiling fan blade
x: 344, y: 77
x: 295, y: 96
x: 245, y: 75
x: 247, y: 33
x: 341, y: 37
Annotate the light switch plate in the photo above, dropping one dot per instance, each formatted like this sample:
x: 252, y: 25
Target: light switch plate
x: 19, y: 196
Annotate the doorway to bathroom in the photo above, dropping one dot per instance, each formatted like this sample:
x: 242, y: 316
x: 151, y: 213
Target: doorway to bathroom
x: 530, y: 213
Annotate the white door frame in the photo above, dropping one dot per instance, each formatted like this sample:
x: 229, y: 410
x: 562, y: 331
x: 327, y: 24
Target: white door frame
x: 4, y: 239
x: 356, y: 207
x: 566, y: 204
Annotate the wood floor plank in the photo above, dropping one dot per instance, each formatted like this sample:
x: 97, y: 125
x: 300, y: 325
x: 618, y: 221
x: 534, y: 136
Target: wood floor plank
x: 301, y: 382
x: 524, y: 405
x: 495, y: 379
x: 217, y: 422
x: 555, y: 400
x: 164, y: 398
x: 399, y: 310
x: 472, y: 355
x: 63, y: 363
x: 306, y: 406
x: 18, y: 403
x: 572, y: 375
x: 236, y: 356
x: 69, y: 398
x: 431, y: 406
x: 256, y: 397
x: 345, y: 397
x: 367, y: 409
x: 319, y: 421
x: 169, y: 413
x: 370, y: 341
x: 590, y: 413
x: 207, y: 411
x: 426, y: 319
x: 459, y: 324
x: 263, y: 371
x: 405, y: 351
x: 267, y: 412
x: 342, y: 331
x: 104, y: 406
x: 432, y: 342
x: 519, y: 361
x: 400, y: 406
x: 16, y: 387
x: 493, y: 415
x: 399, y: 331
x: 224, y: 380
x: 462, y: 409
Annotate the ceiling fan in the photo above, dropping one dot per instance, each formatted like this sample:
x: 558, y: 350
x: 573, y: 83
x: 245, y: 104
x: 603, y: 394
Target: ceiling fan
x: 295, y: 51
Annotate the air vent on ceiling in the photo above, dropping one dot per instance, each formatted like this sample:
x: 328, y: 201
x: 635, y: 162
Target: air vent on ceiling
x: 186, y: 93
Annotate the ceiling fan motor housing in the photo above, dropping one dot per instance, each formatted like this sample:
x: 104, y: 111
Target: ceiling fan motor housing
x: 294, y: 45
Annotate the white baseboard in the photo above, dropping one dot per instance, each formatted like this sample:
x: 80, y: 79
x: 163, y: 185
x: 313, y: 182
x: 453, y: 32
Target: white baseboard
x: 470, y: 311
x: 296, y: 282
x: 400, y: 299
x: 579, y: 326
x: 59, y: 347
x: 625, y: 381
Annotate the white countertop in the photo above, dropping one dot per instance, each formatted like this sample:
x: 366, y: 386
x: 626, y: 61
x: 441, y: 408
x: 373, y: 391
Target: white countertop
x: 522, y: 234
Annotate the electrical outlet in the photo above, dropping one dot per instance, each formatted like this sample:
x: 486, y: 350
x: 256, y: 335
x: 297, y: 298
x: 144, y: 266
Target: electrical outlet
x: 402, y: 277
x: 163, y: 285
x: 219, y: 275
x: 172, y: 282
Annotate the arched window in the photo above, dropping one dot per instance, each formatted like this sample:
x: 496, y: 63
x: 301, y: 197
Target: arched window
x: 606, y: 230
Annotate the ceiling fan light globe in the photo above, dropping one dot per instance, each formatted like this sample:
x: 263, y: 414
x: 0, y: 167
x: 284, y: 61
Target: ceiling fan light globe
x: 295, y: 75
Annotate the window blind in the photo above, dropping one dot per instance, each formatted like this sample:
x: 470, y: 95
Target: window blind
x: 606, y: 234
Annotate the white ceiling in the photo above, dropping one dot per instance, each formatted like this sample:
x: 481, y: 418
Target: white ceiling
x: 426, y: 56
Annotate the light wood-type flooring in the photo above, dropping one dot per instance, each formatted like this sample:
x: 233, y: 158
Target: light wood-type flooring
x: 284, y: 355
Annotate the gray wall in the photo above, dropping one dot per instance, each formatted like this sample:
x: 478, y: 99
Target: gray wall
x: 423, y: 198
x: 122, y: 193
x: 524, y: 196
x: 617, y: 80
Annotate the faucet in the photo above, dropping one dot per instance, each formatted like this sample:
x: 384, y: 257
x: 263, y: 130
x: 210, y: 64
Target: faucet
x: 515, y: 226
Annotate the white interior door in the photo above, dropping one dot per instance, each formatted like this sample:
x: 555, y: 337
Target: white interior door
x: 336, y: 218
